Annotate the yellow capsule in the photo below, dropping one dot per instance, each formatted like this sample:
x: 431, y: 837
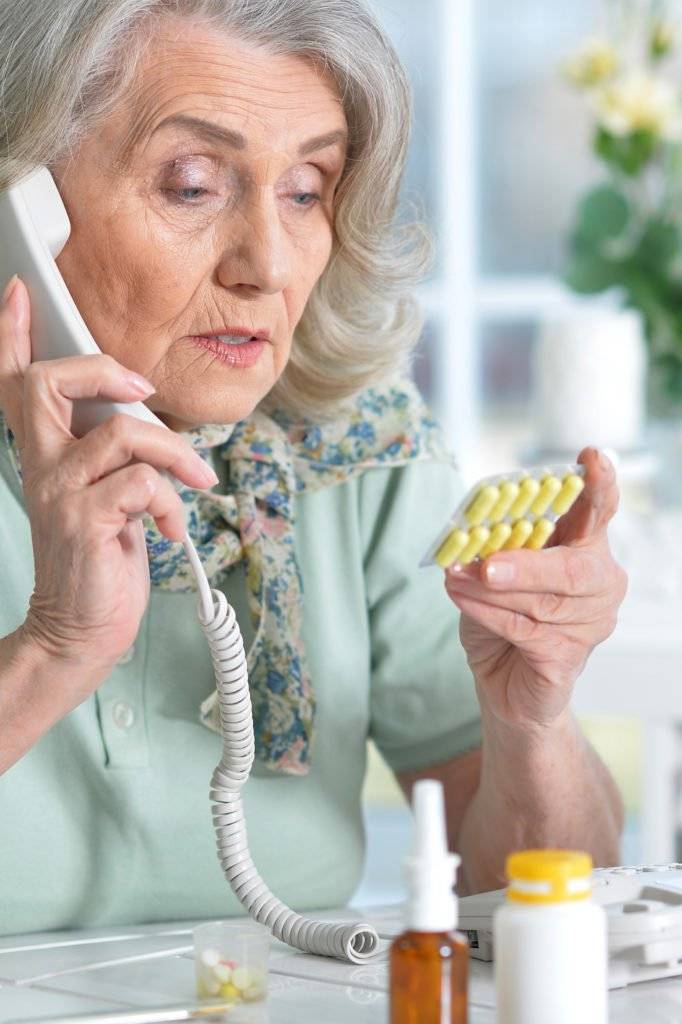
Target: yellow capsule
x: 508, y: 493
x: 528, y: 489
x: 498, y: 536
x: 521, y: 531
x: 481, y: 504
x: 542, y: 531
x: 477, y: 539
x: 455, y: 541
x: 571, y: 488
x: 550, y: 487
x: 229, y: 992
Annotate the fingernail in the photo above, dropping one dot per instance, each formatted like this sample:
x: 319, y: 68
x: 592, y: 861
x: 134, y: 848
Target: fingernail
x: 209, y: 475
x: 603, y: 461
x: 9, y: 288
x: 458, y: 571
x: 499, y: 573
x: 140, y: 384
x: 16, y: 306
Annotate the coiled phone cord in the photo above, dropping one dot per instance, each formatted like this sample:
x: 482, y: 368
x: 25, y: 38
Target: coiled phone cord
x: 356, y: 942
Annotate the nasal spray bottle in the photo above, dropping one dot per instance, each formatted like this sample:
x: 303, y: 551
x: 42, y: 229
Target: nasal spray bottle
x: 429, y: 961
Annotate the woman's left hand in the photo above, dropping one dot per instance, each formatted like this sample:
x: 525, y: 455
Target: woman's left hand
x: 531, y: 618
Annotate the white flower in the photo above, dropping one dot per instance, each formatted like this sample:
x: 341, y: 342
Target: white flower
x: 639, y: 102
x: 593, y: 63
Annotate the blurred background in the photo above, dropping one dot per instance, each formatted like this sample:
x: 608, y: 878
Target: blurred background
x: 545, y: 158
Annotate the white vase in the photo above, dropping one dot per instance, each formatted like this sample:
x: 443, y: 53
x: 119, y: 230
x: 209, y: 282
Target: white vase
x: 589, y: 380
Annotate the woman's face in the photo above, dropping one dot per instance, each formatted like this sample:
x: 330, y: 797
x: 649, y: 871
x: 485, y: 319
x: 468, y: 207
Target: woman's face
x: 204, y: 207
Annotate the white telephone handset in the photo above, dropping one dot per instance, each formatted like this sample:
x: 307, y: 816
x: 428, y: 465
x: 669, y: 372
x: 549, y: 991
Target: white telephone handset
x: 34, y: 228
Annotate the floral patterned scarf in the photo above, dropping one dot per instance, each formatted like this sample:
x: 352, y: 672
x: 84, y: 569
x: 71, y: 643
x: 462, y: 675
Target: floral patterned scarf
x: 272, y: 458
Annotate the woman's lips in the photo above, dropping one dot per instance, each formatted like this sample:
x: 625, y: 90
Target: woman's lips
x: 241, y: 356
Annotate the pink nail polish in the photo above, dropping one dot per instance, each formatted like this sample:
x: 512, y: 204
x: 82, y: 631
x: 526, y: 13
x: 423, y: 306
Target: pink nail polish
x: 499, y: 573
x: 9, y: 288
x: 16, y: 304
x: 209, y: 475
x: 140, y: 384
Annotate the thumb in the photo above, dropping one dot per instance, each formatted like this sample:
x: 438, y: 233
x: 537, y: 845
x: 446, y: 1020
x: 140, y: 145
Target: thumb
x: 596, y: 506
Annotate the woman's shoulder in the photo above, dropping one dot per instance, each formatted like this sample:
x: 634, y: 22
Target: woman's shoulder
x: 385, y: 426
x: 401, y: 476
x: 402, y: 426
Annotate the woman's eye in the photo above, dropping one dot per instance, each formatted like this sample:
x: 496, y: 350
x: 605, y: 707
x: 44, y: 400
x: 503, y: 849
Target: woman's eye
x: 186, y: 195
x: 308, y: 197
x: 190, y: 195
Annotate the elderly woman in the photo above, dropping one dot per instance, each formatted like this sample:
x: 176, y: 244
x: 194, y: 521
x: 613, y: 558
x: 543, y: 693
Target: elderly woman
x: 230, y: 169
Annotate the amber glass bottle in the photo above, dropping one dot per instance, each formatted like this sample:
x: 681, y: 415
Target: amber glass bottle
x: 429, y: 972
x: 429, y: 962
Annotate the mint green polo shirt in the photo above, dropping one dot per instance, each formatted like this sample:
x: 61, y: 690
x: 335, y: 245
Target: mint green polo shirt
x: 107, y: 819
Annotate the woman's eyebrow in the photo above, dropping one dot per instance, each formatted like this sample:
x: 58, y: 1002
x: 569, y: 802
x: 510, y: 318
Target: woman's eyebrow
x: 227, y: 136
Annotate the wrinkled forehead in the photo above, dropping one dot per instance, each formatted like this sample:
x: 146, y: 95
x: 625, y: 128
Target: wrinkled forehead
x: 273, y: 100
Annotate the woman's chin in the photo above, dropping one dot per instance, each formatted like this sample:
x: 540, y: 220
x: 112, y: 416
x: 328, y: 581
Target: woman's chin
x: 178, y: 415
x: 215, y: 393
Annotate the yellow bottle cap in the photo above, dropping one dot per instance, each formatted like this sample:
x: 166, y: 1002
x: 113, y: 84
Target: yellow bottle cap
x: 548, y: 876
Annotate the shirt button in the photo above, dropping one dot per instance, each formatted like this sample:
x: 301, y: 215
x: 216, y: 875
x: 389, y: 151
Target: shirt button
x: 127, y: 656
x: 123, y: 714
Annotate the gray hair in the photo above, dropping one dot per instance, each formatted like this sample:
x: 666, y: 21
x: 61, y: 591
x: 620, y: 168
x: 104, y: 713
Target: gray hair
x: 64, y: 66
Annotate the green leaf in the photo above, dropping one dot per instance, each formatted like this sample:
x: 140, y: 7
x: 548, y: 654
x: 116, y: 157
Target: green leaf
x: 628, y: 153
x: 658, y: 245
x: 641, y: 287
x: 588, y: 273
x: 603, y: 214
x: 660, y: 304
x: 667, y: 371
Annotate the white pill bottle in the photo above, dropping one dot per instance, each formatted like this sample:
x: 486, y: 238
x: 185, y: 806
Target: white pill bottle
x: 550, y: 942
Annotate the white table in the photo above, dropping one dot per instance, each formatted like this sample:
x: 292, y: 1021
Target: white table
x: 149, y: 966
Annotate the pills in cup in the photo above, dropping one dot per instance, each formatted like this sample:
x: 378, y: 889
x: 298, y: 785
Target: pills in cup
x: 233, y: 982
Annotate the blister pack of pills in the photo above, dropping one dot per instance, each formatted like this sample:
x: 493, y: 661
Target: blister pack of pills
x: 506, y: 512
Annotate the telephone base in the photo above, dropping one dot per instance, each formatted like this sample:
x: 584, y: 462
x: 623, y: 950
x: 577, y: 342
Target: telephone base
x: 644, y: 910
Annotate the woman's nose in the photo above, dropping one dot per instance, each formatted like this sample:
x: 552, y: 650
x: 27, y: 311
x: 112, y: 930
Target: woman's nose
x: 257, y: 253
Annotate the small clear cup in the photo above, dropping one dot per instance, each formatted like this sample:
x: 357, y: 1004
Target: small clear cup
x: 231, y: 961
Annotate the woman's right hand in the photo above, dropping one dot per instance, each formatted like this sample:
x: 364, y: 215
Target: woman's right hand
x: 91, y: 568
